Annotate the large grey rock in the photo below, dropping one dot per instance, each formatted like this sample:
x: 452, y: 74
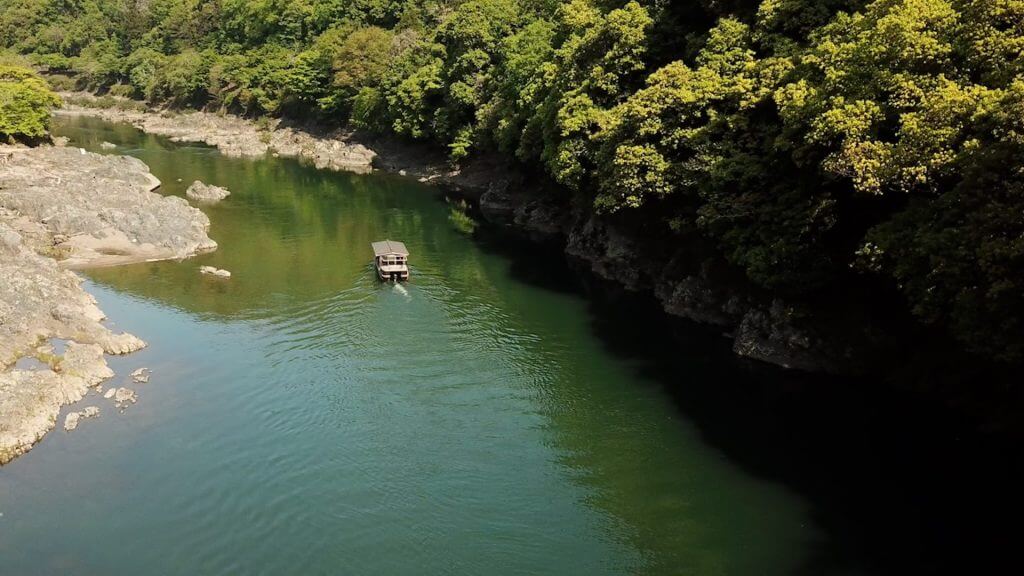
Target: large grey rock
x: 9, y: 240
x: 124, y: 396
x: 691, y: 285
x: 206, y: 193
x: 611, y: 253
x: 71, y: 421
x: 535, y: 215
x: 30, y: 400
x: 39, y: 299
x: 100, y: 209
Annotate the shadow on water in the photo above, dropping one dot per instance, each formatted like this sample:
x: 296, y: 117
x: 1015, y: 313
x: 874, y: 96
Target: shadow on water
x: 900, y: 483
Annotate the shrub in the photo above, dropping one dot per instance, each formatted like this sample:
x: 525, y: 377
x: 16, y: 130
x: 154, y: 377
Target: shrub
x: 25, y: 103
x: 122, y: 90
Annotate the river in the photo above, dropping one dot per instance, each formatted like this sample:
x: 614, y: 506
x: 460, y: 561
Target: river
x: 485, y: 418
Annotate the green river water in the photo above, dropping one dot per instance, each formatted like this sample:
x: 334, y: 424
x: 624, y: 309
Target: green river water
x: 303, y: 418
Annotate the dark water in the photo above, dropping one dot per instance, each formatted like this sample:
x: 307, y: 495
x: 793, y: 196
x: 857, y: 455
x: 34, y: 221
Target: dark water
x: 485, y: 418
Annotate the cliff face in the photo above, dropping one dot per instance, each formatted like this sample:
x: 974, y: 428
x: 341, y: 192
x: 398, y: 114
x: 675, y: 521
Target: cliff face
x: 686, y: 276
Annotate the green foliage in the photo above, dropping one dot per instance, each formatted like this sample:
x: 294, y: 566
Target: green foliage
x: 99, y: 63
x: 357, y: 62
x: 368, y: 108
x: 105, y: 102
x: 25, y: 103
x: 182, y: 78
x: 413, y: 91
x: 53, y: 62
x: 142, y: 69
x: 808, y: 140
x: 122, y: 90
x: 599, y: 61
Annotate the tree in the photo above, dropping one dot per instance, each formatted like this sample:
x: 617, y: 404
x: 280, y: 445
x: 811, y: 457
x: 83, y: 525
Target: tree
x: 358, y: 62
x: 25, y: 103
x: 182, y: 78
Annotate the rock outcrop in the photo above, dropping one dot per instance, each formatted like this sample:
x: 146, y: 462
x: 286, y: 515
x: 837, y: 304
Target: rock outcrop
x: 39, y: 301
x: 688, y: 281
x: 538, y: 216
x: 72, y: 420
x: 99, y: 210
x: 30, y: 400
x: 61, y: 208
x: 201, y: 192
x: 124, y: 396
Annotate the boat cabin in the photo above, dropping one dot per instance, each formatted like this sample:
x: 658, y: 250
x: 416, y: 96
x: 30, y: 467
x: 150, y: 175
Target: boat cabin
x: 391, y: 259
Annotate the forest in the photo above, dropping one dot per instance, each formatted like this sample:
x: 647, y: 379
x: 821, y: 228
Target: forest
x: 808, y: 141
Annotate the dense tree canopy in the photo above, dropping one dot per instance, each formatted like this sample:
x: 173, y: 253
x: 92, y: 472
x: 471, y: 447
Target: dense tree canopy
x: 807, y: 139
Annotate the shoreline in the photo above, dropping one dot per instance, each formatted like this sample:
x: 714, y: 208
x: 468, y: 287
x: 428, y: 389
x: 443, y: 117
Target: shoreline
x: 232, y: 135
x: 336, y: 149
x: 853, y: 330
x: 63, y: 209
x: 689, y: 281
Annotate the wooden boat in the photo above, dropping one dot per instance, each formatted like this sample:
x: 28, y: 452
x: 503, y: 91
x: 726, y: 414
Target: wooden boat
x: 391, y: 259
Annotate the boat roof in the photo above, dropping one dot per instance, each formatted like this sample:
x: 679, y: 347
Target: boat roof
x: 388, y: 247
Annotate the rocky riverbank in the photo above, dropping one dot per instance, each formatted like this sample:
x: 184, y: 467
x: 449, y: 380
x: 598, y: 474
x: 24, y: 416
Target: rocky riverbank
x: 234, y: 136
x: 692, y: 282
x: 326, y: 149
x: 66, y: 208
x: 687, y: 278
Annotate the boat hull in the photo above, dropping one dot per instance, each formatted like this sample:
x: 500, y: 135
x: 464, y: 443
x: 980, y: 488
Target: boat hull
x: 387, y: 275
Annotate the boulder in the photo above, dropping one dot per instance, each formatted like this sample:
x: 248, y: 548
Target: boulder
x: 201, y: 192
x: 124, y: 396
x: 72, y: 420
x: 218, y: 272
